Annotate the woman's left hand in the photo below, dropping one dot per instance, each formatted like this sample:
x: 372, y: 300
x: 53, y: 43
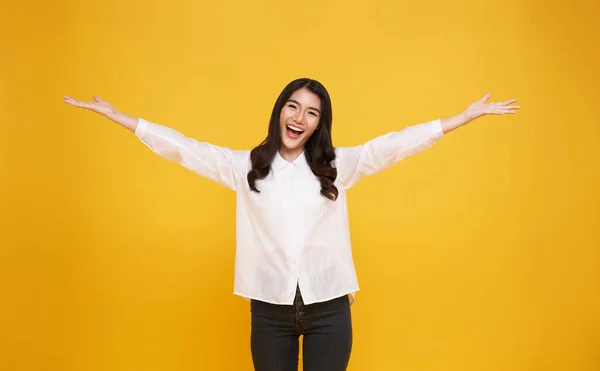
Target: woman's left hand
x: 481, y: 108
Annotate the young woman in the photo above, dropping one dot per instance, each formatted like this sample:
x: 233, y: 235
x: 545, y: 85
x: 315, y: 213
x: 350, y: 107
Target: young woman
x: 293, y: 255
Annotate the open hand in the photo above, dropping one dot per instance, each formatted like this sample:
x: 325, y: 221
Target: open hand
x: 480, y: 108
x: 100, y: 106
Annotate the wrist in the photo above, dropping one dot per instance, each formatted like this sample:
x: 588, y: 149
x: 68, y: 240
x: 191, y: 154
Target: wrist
x: 463, y: 118
x: 454, y: 122
x: 113, y: 114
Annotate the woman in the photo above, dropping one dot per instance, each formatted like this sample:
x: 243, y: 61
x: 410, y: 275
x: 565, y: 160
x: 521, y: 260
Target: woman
x: 293, y: 256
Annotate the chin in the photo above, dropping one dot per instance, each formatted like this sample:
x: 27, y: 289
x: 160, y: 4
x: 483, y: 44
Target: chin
x: 289, y: 146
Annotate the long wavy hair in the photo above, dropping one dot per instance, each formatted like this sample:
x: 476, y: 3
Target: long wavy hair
x: 318, y: 150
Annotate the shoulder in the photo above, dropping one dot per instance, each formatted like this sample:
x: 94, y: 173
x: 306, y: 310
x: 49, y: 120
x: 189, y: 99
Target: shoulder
x: 242, y: 156
x: 343, y: 154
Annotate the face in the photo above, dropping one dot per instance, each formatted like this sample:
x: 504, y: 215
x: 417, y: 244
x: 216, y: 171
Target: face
x: 298, y: 120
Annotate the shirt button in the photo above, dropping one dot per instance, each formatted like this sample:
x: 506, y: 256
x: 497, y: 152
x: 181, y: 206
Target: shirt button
x: 301, y: 313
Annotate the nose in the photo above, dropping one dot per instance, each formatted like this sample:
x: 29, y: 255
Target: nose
x: 299, y: 118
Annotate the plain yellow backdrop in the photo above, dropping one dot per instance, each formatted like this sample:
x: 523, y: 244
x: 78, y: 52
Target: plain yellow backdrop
x: 481, y: 253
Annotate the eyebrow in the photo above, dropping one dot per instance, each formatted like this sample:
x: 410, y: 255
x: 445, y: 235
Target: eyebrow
x: 313, y: 108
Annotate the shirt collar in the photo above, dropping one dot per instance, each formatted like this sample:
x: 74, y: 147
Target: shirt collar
x: 279, y: 162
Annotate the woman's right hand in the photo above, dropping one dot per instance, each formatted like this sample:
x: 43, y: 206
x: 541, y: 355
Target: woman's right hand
x: 99, y: 106
x: 105, y: 109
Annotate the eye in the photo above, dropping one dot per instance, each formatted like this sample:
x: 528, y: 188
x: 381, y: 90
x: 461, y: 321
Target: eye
x: 312, y: 113
x: 292, y: 106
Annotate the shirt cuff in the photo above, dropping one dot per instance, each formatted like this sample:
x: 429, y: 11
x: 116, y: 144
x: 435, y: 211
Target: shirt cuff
x: 436, y: 127
x: 140, y: 129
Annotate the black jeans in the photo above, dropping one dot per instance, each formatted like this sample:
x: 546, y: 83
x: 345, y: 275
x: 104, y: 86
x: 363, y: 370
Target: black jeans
x: 326, y: 328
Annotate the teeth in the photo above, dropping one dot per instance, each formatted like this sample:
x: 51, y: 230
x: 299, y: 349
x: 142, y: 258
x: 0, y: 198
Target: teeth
x: 295, y: 129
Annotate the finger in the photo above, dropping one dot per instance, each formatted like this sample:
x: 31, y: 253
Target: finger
x: 503, y: 104
x: 508, y: 102
x: 485, y: 97
x: 98, y: 99
x: 501, y: 111
x: 78, y: 104
x: 504, y: 108
x: 70, y: 101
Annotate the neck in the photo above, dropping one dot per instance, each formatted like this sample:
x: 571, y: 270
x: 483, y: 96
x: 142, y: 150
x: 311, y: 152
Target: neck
x: 290, y: 155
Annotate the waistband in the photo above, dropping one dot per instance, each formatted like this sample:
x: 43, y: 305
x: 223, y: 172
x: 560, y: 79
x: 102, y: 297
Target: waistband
x: 299, y: 303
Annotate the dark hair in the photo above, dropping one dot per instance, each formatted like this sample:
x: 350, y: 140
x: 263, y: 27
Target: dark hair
x: 318, y: 150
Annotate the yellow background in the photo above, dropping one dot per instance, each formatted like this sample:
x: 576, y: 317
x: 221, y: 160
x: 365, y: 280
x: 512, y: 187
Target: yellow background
x: 482, y: 253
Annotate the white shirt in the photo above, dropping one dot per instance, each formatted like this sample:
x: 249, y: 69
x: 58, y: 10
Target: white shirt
x: 289, y: 234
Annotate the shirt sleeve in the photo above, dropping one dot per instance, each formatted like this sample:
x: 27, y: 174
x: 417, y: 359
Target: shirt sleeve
x: 219, y: 164
x: 377, y: 154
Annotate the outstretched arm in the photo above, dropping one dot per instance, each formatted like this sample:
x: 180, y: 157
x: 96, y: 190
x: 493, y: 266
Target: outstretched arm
x: 353, y: 163
x: 219, y: 164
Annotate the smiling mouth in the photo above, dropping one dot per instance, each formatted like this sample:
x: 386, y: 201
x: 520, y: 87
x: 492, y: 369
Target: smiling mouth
x: 293, y: 132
